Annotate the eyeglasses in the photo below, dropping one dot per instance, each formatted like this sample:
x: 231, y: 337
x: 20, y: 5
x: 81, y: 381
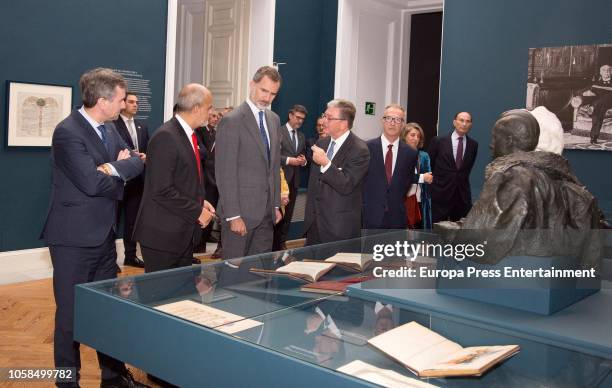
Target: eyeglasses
x: 391, y: 119
x: 328, y: 118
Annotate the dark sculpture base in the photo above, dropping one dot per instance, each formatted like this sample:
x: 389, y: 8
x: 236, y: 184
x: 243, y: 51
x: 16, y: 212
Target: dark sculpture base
x: 538, y: 295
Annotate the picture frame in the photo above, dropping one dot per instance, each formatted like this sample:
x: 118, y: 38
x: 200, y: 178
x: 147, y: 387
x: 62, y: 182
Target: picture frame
x: 33, y: 112
x: 573, y: 82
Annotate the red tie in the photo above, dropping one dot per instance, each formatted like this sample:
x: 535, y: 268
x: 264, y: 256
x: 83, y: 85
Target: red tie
x: 389, y: 163
x: 196, y: 151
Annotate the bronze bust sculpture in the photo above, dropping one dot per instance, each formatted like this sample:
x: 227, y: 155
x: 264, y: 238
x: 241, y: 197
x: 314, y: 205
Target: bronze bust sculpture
x: 531, y: 202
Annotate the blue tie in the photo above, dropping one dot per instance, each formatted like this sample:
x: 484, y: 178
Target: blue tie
x: 262, y: 130
x: 102, y: 129
x: 330, y: 150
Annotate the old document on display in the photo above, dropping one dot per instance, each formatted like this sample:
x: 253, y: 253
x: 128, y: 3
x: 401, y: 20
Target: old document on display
x: 208, y: 316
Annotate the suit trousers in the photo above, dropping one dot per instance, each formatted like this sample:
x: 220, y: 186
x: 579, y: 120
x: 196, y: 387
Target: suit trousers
x: 282, y: 228
x: 129, y: 207
x: 72, y: 266
x: 455, y: 212
x: 159, y: 260
x: 212, y: 196
x: 257, y: 240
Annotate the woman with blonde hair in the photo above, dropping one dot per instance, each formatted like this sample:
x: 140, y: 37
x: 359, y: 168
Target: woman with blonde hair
x: 418, y: 199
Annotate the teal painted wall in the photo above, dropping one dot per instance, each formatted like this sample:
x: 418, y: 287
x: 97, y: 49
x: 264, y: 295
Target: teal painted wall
x: 55, y: 42
x: 305, y: 39
x: 484, y: 67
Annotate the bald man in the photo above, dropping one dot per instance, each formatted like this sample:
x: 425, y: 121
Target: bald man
x: 173, y: 208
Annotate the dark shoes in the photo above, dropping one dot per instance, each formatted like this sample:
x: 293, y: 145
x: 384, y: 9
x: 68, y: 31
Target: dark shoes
x: 218, y: 253
x: 134, y: 262
x: 125, y: 380
x: 195, y: 260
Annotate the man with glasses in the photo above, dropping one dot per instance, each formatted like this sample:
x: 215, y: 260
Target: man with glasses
x: 390, y: 174
x: 333, y: 206
x: 292, y: 158
x: 452, y: 158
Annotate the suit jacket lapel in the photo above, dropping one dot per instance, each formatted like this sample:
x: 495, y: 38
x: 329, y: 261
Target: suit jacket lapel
x: 378, y: 158
x: 252, y: 126
x: 449, y: 150
x: 468, y: 154
x: 123, y: 131
x: 285, y: 138
x: 139, y: 135
x: 342, y: 152
x: 91, y: 135
x: 399, y: 159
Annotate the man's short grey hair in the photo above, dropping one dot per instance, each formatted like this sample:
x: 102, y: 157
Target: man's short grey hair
x: 190, y: 96
x: 347, y: 110
x: 99, y: 83
x: 396, y: 106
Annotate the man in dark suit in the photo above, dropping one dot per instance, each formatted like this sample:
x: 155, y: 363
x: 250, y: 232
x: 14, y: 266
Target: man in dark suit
x: 207, y: 137
x: 333, y: 206
x: 452, y: 159
x: 135, y: 133
x: 247, y: 169
x: 390, y: 174
x: 91, y: 164
x: 173, y: 208
x: 292, y: 144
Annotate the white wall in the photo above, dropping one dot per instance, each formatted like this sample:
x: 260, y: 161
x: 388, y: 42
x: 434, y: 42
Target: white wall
x: 261, y: 35
x: 372, y: 55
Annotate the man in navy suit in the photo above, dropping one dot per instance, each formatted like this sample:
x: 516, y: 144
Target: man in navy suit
x: 135, y: 133
x: 390, y: 174
x: 91, y: 164
x: 452, y: 159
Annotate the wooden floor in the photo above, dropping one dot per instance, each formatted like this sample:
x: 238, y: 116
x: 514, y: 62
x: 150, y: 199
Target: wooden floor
x: 26, y: 330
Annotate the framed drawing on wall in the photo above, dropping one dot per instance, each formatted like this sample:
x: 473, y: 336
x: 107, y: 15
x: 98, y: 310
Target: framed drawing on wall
x: 33, y: 112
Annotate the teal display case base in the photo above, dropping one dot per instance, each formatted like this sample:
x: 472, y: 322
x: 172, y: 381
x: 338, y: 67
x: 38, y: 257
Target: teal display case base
x: 539, y: 295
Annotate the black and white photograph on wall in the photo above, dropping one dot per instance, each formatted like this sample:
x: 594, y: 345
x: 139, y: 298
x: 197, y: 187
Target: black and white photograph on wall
x: 574, y: 82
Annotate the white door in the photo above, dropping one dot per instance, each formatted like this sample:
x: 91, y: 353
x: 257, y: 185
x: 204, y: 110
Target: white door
x: 372, y: 54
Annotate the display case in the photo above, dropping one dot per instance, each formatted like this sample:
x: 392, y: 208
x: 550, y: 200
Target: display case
x: 224, y: 325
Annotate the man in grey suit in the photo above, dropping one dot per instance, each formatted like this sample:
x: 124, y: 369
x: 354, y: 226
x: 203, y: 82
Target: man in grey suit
x: 247, y: 169
x: 292, y: 143
x: 333, y: 206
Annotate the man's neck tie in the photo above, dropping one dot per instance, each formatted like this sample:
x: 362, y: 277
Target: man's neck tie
x: 133, y: 134
x: 389, y: 163
x: 264, y: 137
x: 293, y: 140
x: 459, y: 156
x: 103, y: 136
x: 330, y: 150
x: 196, y: 151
